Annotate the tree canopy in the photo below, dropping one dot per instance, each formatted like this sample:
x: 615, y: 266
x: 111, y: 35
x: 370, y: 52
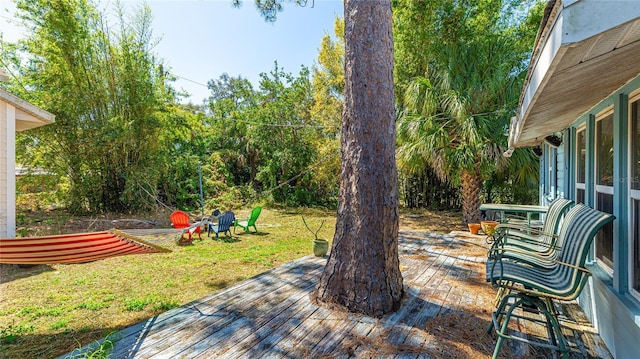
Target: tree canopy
x: 124, y: 141
x: 459, y: 89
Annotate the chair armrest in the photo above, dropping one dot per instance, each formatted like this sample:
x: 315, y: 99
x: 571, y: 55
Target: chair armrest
x: 501, y: 251
x: 529, y: 286
x: 501, y: 237
x: 506, y: 226
x: 508, y: 216
x: 510, y: 241
x: 583, y: 269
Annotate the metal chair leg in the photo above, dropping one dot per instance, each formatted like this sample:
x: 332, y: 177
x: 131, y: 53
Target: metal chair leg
x: 502, y: 331
x: 503, y: 314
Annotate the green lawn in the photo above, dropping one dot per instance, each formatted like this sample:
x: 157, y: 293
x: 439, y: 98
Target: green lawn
x: 46, y: 311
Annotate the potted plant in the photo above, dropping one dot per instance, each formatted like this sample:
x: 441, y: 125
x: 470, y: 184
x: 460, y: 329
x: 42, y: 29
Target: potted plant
x: 474, y: 228
x: 320, y: 246
x: 488, y: 227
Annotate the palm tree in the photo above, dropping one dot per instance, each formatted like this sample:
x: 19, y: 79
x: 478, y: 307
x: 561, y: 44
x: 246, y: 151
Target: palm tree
x: 455, y: 118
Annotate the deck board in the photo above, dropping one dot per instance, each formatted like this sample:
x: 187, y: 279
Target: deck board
x: 272, y: 316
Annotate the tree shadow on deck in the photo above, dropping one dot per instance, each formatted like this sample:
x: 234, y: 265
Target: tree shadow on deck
x: 444, y: 314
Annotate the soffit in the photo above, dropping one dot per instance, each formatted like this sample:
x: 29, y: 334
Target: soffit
x: 27, y: 115
x: 572, y: 72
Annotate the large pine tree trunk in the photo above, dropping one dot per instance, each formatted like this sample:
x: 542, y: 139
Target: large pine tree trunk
x: 471, y: 183
x: 362, y: 273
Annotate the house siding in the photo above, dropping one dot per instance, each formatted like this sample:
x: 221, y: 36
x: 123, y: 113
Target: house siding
x: 7, y: 170
x: 4, y: 122
x: 552, y: 177
x: 617, y: 317
x: 560, y: 172
x: 606, y: 299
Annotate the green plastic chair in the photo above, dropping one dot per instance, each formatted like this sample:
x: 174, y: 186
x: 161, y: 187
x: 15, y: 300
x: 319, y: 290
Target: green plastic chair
x: 249, y: 222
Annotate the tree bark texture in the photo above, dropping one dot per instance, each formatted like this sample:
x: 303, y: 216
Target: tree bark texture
x: 471, y: 183
x: 362, y: 273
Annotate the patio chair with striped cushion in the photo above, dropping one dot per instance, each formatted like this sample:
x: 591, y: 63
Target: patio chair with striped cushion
x: 544, y: 243
x: 531, y: 239
x: 530, y: 286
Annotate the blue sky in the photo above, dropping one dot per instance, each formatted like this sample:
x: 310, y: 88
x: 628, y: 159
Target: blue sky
x: 200, y: 40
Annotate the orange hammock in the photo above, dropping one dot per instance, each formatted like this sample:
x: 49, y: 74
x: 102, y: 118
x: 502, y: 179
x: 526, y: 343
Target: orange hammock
x: 73, y: 248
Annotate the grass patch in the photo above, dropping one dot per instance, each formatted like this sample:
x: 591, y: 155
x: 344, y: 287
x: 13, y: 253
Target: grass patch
x: 100, y: 351
x: 59, y: 324
x: 137, y: 304
x: 61, y: 307
x: 93, y: 304
x: 10, y: 333
x: 157, y: 304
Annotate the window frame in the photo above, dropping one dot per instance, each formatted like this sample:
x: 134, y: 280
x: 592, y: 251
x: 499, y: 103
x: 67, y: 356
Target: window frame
x: 634, y: 195
x: 580, y: 185
x: 601, y: 189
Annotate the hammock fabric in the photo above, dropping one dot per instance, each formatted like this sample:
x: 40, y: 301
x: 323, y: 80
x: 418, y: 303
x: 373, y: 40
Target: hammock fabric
x: 73, y: 248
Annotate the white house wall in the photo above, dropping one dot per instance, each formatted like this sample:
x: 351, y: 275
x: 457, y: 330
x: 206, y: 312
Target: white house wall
x: 617, y: 319
x: 7, y: 169
x: 16, y: 114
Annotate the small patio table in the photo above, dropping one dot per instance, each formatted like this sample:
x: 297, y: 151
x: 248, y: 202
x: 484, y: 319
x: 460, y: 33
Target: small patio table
x: 529, y: 210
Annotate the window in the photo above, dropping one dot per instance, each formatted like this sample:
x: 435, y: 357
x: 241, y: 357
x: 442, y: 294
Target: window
x: 634, y: 191
x: 604, y: 186
x: 604, y: 238
x: 550, y: 180
x: 581, y: 153
x: 635, y: 272
x: 604, y: 147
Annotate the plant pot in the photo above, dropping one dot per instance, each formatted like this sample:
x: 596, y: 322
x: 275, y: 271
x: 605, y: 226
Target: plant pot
x: 474, y: 228
x: 320, y: 247
x: 488, y: 227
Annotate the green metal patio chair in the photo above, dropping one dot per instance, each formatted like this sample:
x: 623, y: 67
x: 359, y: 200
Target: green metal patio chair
x: 544, y: 243
x: 521, y: 238
x: 531, y: 239
x: 249, y: 222
x: 531, y: 287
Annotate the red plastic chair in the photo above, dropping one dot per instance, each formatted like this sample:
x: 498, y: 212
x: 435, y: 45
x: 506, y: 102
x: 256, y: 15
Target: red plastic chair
x: 180, y: 220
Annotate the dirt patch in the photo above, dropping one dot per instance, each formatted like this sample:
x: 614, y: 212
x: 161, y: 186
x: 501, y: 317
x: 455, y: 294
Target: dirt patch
x: 60, y: 221
x: 432, y: 221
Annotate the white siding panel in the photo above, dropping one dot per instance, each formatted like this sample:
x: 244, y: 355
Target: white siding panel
x: 617, y: 318
x: 560, y: 172
x: 11, y: 172
x: 4, y: 113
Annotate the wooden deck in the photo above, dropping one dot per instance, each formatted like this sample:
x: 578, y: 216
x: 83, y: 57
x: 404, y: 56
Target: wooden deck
x: 444, y: 315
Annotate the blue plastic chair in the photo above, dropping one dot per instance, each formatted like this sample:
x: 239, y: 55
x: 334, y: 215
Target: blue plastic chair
x: 223, y: 226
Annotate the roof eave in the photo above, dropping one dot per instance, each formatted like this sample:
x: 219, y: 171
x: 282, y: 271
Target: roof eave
x: 574, y: 50
x: 28, y: 115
